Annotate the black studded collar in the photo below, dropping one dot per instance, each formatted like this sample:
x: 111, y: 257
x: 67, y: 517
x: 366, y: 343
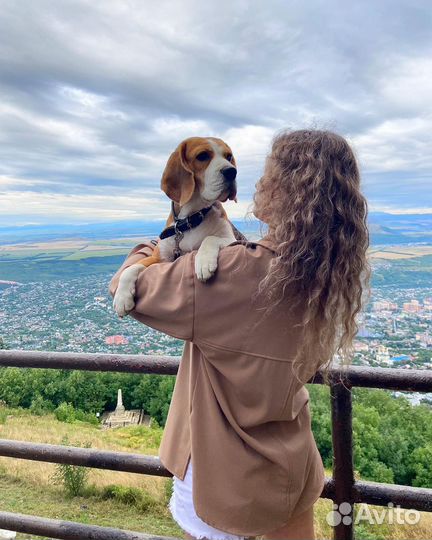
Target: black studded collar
x: 181, y: 225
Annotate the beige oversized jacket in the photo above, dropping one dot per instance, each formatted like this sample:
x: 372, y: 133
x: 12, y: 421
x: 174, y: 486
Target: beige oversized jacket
x: 237, y: 410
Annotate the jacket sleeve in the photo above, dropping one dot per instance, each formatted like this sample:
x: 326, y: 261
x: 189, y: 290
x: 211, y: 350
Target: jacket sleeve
x: 137, y: 253
x: 164, y: 297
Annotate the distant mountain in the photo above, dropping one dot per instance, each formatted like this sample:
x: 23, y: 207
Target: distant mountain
x: 43, y: 233
x: 386, y: 229
x: 400, y: 228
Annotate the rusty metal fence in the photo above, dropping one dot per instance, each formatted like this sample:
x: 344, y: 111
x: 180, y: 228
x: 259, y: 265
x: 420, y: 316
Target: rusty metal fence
x: 340, y: 488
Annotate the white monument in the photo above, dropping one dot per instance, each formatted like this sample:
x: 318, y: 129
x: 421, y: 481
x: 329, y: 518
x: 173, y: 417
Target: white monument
x: 120, y: 407
x: 122, y: 418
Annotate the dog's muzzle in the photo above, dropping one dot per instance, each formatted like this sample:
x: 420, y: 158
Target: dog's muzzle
x: 229, y: 174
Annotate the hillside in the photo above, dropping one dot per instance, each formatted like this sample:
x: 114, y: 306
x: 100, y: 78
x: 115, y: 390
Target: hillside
x: 27, y: 486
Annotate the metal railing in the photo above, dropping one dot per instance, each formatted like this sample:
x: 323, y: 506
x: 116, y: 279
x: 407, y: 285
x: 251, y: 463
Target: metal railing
x: 341, y: 487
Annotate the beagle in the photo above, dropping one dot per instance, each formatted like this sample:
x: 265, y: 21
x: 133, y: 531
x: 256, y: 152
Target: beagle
x: 200, y: 174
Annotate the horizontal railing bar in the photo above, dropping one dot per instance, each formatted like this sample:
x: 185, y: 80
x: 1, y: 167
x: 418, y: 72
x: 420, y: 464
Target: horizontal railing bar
x: 86, y: 457
x: 414, y: 380
x: 130, y: 363
x: 381, y: 494
x: 329, y: 489
x: 68, y: 530
x: 368, y: 492
x: 408, y: 497
x: 97, y: 459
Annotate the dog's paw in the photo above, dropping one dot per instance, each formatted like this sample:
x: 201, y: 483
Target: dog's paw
x: 124, y: 298
x: 205, y: 265
x: 124, y: 301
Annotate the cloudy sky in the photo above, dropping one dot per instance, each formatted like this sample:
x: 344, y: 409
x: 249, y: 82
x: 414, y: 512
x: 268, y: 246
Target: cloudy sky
x: 94, y: 95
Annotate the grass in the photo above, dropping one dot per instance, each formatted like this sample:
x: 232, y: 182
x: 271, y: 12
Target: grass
x: 46, y: 429
x: 24, y: 497
x: 117, y: 499
x: 26, y: 486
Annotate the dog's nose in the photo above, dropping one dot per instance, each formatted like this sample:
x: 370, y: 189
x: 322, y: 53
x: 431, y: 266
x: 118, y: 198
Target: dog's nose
x: 229, y: 173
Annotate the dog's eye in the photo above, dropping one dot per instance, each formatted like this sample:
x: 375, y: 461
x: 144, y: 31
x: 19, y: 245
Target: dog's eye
x: 229, y: 157
x: 203, y: 156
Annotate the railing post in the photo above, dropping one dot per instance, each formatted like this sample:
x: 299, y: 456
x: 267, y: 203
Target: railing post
x: 343, y: 466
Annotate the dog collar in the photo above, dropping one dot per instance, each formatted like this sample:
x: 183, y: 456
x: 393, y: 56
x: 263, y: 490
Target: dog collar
x: 181, y: 225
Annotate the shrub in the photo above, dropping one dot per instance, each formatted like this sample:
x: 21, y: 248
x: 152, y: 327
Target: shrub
x: 66, y: 412
x: 127, y: 495
x: 422, y: 466
x: 82, y: 416
x: 73, y: 478
x: 40, y: 406
x: 3, y: 416
x: 130, y: 496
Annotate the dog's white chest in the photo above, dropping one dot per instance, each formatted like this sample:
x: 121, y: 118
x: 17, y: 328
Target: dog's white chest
x: 167, y: 247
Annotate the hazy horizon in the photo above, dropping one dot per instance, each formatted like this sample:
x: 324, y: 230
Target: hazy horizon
x: 162, y: 219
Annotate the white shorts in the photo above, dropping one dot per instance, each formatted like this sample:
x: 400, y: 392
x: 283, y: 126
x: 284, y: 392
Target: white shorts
x: 183, y: 511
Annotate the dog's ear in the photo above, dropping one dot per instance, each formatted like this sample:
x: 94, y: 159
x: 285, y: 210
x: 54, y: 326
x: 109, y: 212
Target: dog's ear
x: 178, y: 180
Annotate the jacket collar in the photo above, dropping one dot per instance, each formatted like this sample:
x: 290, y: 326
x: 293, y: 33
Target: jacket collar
x: 268, y: 243
x: 265, y: 242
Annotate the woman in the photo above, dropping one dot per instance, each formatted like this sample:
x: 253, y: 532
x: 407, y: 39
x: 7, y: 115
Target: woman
x: 238, y: 436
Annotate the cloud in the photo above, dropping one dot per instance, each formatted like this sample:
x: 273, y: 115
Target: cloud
x: 95, y: 95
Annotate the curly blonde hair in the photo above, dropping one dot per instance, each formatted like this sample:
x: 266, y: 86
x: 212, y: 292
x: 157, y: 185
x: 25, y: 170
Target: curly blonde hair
x: 310, y: 198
